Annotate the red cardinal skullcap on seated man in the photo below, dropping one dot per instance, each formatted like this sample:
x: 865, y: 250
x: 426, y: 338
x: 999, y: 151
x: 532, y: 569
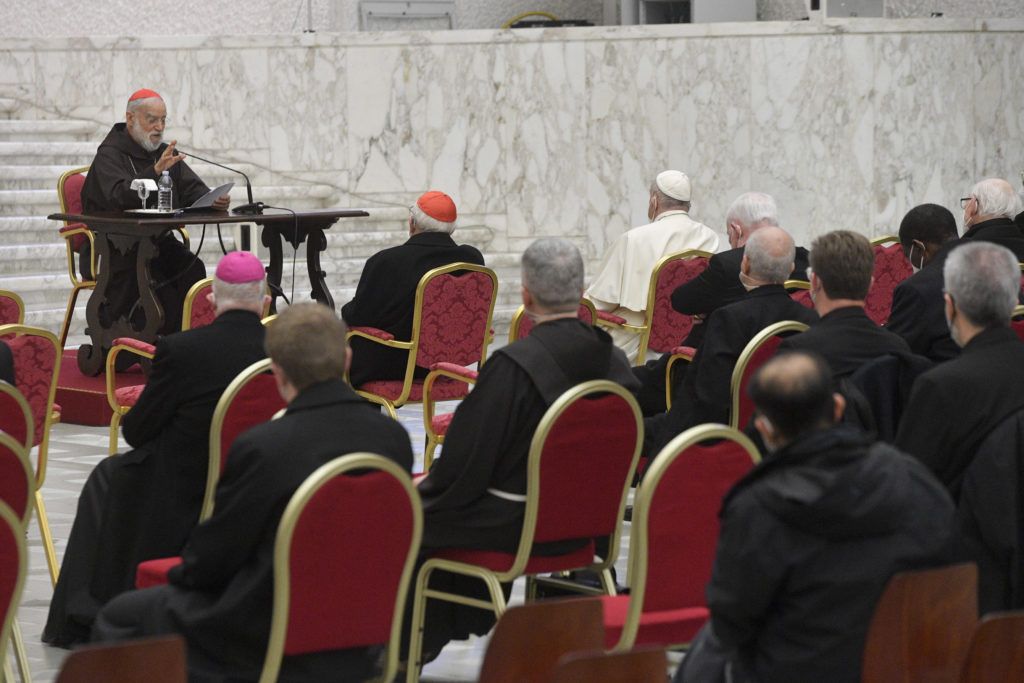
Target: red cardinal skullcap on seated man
x: 144, y: 94
x: 239, y: 266
x: 437, y: 205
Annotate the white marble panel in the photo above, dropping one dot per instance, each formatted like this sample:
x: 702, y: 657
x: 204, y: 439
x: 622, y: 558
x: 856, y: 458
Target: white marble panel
x: 998, y: 62
x: 74, y: 83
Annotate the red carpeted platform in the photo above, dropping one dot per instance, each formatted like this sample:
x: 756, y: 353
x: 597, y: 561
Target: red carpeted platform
x: 83, y: 400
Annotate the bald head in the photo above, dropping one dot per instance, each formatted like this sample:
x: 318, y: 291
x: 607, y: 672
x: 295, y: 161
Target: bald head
x: 995, y: 198
x: 768, y: 256
x: 794, y: 392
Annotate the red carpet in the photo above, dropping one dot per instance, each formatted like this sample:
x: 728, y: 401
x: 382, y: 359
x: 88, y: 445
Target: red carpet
x: 83, y: 400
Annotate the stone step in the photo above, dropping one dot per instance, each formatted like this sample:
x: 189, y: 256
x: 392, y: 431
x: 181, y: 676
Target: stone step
x: 12, y: 130
x: 28, y: 230
x: 32, y: 153
x: 23, y: 258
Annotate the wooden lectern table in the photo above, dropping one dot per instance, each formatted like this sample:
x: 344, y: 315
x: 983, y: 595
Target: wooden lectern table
x: 127, y: 242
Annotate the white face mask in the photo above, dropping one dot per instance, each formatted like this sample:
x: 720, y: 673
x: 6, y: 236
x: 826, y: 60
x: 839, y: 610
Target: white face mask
x: 910, y: 257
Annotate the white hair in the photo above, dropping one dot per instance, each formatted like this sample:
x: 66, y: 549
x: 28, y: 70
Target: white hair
x: 425, y: 223
x: 247, y: 295
x: 553, y: 273
x: 753, y: 209
x: 983, y: 279
x: 996, y: 197
x: 771, y: 260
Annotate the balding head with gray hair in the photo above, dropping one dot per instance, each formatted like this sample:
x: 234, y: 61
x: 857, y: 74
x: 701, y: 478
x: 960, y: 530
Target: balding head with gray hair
x: 771, y: 254
x: 983, y: 280
x: 553, y: 274
x: 995, y: 199
x: 750, y: 211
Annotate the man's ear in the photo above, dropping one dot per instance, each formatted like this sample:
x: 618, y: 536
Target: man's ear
x: 527, y: 297
x: 348, y: 357
x: 838, y: 407
x: 745, y: 265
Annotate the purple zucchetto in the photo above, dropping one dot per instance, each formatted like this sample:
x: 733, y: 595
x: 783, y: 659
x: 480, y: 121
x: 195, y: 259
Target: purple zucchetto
x: 240, y: 266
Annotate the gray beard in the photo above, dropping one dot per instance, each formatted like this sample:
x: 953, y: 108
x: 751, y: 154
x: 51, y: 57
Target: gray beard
x: 143, y: 140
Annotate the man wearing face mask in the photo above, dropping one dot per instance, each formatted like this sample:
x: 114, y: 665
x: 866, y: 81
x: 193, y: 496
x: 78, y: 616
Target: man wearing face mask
x: 954, y: 406
x: 928, y: 235
x: 135, y: 149
x: 843, y: 514
x: 988, y: 215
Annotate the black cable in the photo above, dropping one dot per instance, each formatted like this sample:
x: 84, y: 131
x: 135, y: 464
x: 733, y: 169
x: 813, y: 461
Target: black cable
x: 295, y: 249
x: 159, y: 285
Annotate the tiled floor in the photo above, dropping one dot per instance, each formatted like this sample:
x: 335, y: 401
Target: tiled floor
x: 74, y: 451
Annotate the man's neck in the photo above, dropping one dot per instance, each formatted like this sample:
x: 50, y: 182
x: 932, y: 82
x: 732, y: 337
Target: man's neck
x: 824, y: 305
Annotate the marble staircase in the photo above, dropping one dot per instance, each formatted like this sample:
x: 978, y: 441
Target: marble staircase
x: 34, y: 153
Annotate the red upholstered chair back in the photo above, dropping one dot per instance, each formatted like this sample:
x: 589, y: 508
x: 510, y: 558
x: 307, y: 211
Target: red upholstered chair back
x: 891, y: 268
x: 198, y: 311
x: 588, y: 445
x: 36, y: 365
x: 523, y: 324
x: 343, y: 557
x: 681, y: 522
x: 12, y: 308
x: 17, y: 482
x: 70, y: 190
x: 15, y: 415
x: 13, y: 561
x: 757, y: 352
x: 669, y: 328
x: 454, y: 319
x: 803, y: 297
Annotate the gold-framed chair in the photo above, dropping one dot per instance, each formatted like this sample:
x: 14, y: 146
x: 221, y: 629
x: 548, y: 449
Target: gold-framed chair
x: 799, y: 291
x: 757, y: 351
x: 251, y: 398
x: 673, y: 538
x: 12, y: 308
x: 663, y: 328
x: 680, y: 353
x: 436, y: 426
x: 521, y: 324
x: 451, y: 324
x: 37, y: 358
x: 371, y: 614
x: 581, y: 462
x: 891, y: 268
x: 16, y: 487
x: 197, y: 311
x: 69, y: 192
x: 13, y: 562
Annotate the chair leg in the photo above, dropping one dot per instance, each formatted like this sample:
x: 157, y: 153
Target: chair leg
x: 44, y: 530
x: 115, y: 423
x: 18, y: 643
x: 8, y: 669
x: 428, y: 453
x: 67, y: 315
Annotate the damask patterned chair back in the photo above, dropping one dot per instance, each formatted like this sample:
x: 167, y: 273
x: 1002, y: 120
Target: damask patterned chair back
x: 667, y: 328
x: 522, y: 324
x: 800, y: 292
x: 12, y: 308
x: 198, y: 311
x: 251, y: 399
x: 891, y: 268
x: 16, y: 415
x: 454, y: 317
x: 37, y: 357
x: 17, y: 485
x: 69, y: 192
x: 674, y: 535
x: 344, y: 554
x: 13, y: 563
x: 757, y: 351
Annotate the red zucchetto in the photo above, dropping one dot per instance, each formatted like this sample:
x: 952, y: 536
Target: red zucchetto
x: 437, y: 205
x: 144, y: 94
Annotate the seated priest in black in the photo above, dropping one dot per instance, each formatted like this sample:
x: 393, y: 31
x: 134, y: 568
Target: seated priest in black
x: 810, y: 537
x: 954, y: 406
x: 473, y: 496
x: 141, y: 504
x: 385, y: 297
x: 989, y: 210
x: 221, y: 597
x: 135, y: 149
x: 928, y: 235
x: 841, y: 266
x: 703, y: 395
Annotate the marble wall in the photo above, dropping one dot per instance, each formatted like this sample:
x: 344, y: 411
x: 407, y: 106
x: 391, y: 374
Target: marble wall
x: 560, y: 131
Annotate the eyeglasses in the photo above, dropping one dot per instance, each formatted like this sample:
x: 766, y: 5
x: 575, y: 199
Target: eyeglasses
x: 964, y: 201
x: 151, y: 120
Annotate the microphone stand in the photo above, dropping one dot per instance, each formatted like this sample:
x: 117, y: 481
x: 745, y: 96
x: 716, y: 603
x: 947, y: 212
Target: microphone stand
x: 250, y: 209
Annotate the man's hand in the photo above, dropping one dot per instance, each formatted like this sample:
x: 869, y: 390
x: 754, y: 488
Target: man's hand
x: 222, y: 202
x: 167, y: 159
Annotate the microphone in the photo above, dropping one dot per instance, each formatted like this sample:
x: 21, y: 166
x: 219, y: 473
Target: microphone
x: 250, y: 209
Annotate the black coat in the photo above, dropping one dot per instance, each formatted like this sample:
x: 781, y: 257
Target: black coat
x: 225, y: 606
x: 990, y: 516
x: 954, y: 406
x: 719, y: 284
x: 386, y: 297
x: 846, y: 338
x: 118, y: 161
x: 918, y: 310
x: 809, y: 539
x: 6, y: 363
x: 1001, y: 231
x: 704, y: 394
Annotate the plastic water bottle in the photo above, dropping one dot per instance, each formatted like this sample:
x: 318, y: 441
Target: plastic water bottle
x: 165, y: 186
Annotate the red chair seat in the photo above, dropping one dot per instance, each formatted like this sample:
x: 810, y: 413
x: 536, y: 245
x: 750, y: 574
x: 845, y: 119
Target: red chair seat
x: 440, y: 423
x: 129, y: 396
x: 501, y: 562
x: 611, y: 318
x: 444, y: 389
x: 154, y: 572
x: 662, y: 628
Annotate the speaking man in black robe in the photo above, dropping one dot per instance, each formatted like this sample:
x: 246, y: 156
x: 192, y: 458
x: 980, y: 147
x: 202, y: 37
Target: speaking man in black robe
x: 135, y: 149
x: 221, y: 596
x: 385, y: 297
x: 472, y: 497
x: 141, y: 504
x: 954, y: 406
